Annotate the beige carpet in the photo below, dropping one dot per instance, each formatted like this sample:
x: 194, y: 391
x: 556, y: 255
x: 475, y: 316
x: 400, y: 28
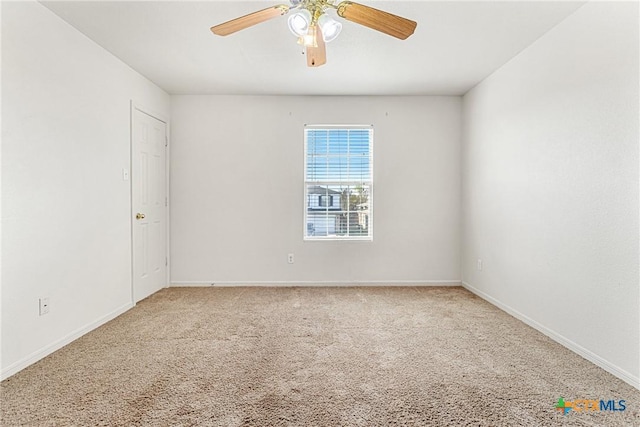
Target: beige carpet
x: 313, y: 357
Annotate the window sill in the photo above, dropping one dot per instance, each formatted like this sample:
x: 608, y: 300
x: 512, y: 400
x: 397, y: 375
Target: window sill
x: 338, y: 239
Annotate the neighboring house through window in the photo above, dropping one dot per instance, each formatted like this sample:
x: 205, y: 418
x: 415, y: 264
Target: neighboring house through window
x: 338, y: 182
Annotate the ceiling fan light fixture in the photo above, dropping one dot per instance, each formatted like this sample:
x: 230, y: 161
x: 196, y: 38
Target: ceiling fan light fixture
x: 309, y: 39
x: 299, y: 22
x: 314, y: 29
x: 330, y: 27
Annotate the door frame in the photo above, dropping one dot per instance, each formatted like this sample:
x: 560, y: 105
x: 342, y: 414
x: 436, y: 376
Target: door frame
x: 134, y: 105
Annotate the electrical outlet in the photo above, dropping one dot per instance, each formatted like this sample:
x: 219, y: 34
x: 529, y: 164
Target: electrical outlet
x: 479, y: 264
x: 125, y: 174
x: 290, y: 258
x: 44, y: 306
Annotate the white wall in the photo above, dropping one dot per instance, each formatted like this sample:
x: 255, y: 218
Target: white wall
x: 237, y: 190
x: 550, y: 186
x: 65, y: 217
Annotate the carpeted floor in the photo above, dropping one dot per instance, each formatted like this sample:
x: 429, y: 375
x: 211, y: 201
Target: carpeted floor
x: 313, y: 357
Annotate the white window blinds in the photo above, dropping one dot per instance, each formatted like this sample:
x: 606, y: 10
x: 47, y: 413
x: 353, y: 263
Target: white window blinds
x: 338, y: 182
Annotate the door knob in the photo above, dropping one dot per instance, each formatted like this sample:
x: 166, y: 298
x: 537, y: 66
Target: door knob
x: 139, y: 216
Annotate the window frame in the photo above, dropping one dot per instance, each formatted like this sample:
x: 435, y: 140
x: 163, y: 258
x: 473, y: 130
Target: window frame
x: 306, y: 183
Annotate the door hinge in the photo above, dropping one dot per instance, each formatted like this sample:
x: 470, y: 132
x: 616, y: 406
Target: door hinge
x: 166, y: 141
x: 166, y: 261
x: 166, y: 201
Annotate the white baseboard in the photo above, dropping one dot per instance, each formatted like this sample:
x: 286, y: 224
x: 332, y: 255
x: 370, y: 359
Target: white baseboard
x: 576, y: 348
x: 284, y: 283
x: 47, y: 350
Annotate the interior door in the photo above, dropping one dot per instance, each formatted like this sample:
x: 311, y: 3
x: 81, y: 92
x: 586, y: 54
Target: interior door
x: 149, y: 203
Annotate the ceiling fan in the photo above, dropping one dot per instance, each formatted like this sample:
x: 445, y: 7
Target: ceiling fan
x: 314, y: 27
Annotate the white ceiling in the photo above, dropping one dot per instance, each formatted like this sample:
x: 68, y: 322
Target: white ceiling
x: 455, y: 46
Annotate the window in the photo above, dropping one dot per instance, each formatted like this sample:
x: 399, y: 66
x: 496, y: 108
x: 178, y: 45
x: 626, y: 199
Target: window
x: 338, y: 182
x: 325, y: 201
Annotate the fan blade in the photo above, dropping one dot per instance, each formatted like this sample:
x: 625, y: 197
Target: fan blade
x: 385, y: 22
x: 246, y: 21
x: 317, y: 56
